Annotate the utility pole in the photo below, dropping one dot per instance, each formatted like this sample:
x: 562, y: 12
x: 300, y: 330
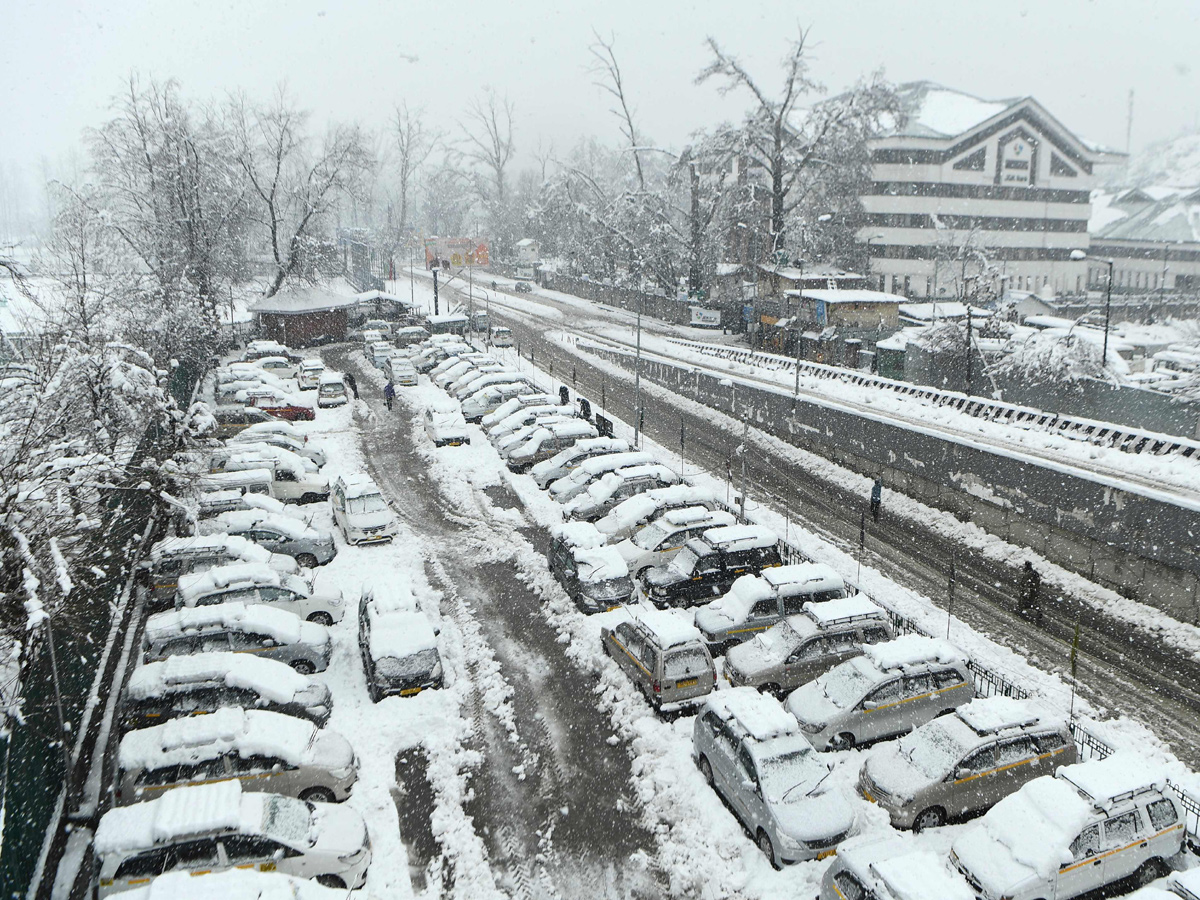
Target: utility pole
x: 742, y: 486
x: 412, y: 290
x: 435, y: 291
x: 637, y: 381
x: 968, y: 348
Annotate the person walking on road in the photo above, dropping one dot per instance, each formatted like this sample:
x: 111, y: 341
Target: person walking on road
x: 351, y: 383
x: 876, y: 498
x: 389, y: 393
x: 1029, y: 602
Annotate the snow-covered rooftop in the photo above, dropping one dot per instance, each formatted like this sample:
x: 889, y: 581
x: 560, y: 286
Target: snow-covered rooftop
x: 851, y: 295
x: 760, y: 714
x: 841, y: 609
x: 931, y: 110
x: 303, y: 300
x: 669, y: 630
x: 943, y: 309
x: 359, y: 484
x: 248, y: 519
x: 740, y: 537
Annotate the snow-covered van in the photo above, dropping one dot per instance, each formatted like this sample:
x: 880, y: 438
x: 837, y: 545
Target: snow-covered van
x: 445, y: 425
x: 663, y: 655
x: 546, y: 441
x: 569, y: 486
x: 891, y: 689
x: 397, y: 641
x: 174, y: 557
x: 256, y: 583
x: 594, y: 576
x: 1092, y: 825
x: 331, y: 390
x: 491, y: 398
x: 201, y: 684
x: 661, y: 539
x: 756, y: 602
x: 291, y: 480
x: 886, y: 866
x: 221, y: 827
x: 308, y: 374
x: 566, y: 461
x: 612, y: 488
x: 627, y: 517
x: 278, y: 426
x: 232, y: 419
x: 238, y: 628
x: 265, y: 751
x: 248, y: 481
x: 360, y: 510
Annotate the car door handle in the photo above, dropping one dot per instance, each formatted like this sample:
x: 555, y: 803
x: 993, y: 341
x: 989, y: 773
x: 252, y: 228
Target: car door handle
x: 1143, y: 845
x: 1097, y: 862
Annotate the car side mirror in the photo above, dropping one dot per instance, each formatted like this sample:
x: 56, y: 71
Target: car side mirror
x: 750, y: 786
x: 961, y: 772
x: 870, y: 704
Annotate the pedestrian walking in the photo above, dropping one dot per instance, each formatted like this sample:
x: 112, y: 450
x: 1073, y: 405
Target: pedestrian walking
x: 876, y: 498
x: 389, y: 393
x: 1029, y: 602
x: 351, y: 383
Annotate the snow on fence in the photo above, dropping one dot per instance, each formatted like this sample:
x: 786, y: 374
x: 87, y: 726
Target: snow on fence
x: 1102, y: 434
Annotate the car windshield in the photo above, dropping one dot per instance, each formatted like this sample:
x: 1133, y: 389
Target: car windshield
x: 684, y: 561
x: 287, y: 819
x: 407, y: 666
x: 844, y: 685
x: 790, y: 776
x: 778, y: 641
x: 368, y: 503
x: 687, y: 663
x: 651, y: 536
x: 933, y: 751
x: 612, y: 589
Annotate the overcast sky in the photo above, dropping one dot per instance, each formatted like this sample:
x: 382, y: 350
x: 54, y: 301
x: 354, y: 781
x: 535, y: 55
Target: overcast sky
x: 63, y: 61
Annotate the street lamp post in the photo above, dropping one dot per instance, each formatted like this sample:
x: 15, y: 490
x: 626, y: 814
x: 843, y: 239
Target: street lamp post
x: 1080, y: 254
x: 874, y: 237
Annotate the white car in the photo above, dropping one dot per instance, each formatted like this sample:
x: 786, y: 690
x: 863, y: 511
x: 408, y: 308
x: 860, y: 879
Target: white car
x: 254, y: 583
x: 658, y: 542
x: 295, y: 445
x: 308, y: 374
x: 566, y: 461
x: 331, y: 390
x: 445, y: 425
x: 361, y: 511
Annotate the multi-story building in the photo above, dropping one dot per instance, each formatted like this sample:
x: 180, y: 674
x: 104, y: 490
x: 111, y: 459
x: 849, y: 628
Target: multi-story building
x: 1152, y: 235
x: 963, y: 187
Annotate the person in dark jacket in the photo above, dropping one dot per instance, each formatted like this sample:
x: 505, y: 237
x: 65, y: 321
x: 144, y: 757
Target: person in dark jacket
x: 389, y: 393
x: 351, y: 383
x: 1029, y: 602
x: 876, y: 498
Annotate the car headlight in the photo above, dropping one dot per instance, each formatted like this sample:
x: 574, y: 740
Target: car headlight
x: 335, y: 600
x: 812, y: 727
x: 436, y: 671
x: 787, y: 842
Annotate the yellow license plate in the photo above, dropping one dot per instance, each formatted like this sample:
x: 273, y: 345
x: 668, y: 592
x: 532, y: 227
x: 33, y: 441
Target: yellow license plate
x: 825, y: 854
x: 407, y: 692
x: 869, y: 798
x: 690, y: 682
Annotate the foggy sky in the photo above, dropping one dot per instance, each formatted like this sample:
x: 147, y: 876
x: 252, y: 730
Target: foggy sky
x: 62, y: 62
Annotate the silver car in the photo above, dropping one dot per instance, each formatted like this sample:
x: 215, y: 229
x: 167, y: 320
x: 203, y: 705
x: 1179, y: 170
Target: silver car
x: 173, y: 558
x: 752, y: 753
x: 662, y: 538
x: 630, y: 515
x: 607, y: 491
x: 570, y: 486
x: 515, y: 404
x: 250, y: 583
x: 664, y: 657
x: 893, y: 688
x: 961, y: 765
x: 309, y: 546
x: 566, y: 461
x: 886, y: 866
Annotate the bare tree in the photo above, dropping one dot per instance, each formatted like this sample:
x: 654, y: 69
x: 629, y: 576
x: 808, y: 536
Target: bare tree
x: 413, y: 144
x: 292, y: 186
x: 612, y: 82
x: 487, y: 141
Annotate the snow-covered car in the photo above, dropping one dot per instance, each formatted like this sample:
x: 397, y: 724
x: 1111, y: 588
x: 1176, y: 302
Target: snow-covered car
x: 295, y: 445
x: 659, y: 541
x: 491, y: 398
x: 891, y: 689
x: 276, y: 426
x: 276, y: 403
x: 291, y: 478
x: 331, y: 390
x: 232, y: 419
x: 213, y: 503
x: 501, y: 336
x: 265, y: 751
x: 522, y: 287
x: 257, y: 349
x: 663, y: 656
x: 708, y: 566
x: 568, y: 486
x: 1091, y: 825
x: 512, y: 405
x: 276, y: 365
x: 450, y: 369
x: 445, y: 425
x: 234, y: 884
x: 566, y: 461
x: 626, y: 518
x: 500, y: 376
x: 398, y: 643
x: 309, y: 546
x: 547, y: 441
x: 612, y: 488
x: 886, y: 866
x: 255, y: 583
x: 308, y: 374
x: 223, y: 827
x: 379, y: 353
x: 239, y: 628
x: 409, y: 336
x: 200, y: 684
x: 594, y: 576
x: 254, y: 446
x: 361, y: 511
x: 753, y: 754
x: 171, y: 558
x: 400, y: 370
x: 756, y: 602
x: 526, y: 415
x: 801, y: 647
x: 505, y: 445
x: 961, y: 765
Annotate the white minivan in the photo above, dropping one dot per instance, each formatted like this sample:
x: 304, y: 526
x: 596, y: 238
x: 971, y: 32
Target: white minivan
x: 360, y: 510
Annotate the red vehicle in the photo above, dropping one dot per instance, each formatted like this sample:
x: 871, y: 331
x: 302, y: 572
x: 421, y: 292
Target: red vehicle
x: 276, y: 403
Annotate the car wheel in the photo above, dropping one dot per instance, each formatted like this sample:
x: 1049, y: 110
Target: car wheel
x: 934, y: 817
x: 843, y: 741
x: 307, y: 560
x: 332, y: 881
x: 1150, y: 870
x: 317, y: 795
x: 321, y: 618
x: 310, y: 498
x: 773, y: 689
x: 303, y: 666
x: 641, y: 573
x: 765, y: 845
x: 706, y: 769
x: 945, y: 712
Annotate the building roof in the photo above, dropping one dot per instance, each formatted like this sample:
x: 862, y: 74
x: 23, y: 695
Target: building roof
x: 1154, y: 213
x: 303, y: 300
x: 848, y: 296
x: 381, y: 295
x: 943, y: 309
x: 931, y: 110
x: 821, y: 272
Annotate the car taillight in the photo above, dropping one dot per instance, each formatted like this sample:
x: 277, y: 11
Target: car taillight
x: 657, y: 688
x: 714, y: 676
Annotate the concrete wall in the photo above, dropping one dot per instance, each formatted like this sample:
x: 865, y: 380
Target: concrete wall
x: 1144, y: 548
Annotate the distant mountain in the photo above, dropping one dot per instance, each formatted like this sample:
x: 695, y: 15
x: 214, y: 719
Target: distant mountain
x: 1174, y: 162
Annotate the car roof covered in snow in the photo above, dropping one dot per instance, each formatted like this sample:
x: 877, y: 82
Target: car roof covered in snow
x: 399, y: 634
x: 596, y: 564
x: 731, y: 538
x: 1112, y: 779
x: 235, y: 884
x: 328, y: 377
x: 283, y: 626
x: 668, y: 629
x: 360, y: 484
x: 577, y: 534
x: 269, y: 678
x: 391, y: 593
x: 249, y: 519
x: 761, y: 715
x: 802, y: 577
x: 191, y: 739
x: 990, y: 715
x: 239, y: 576
x: 234, y: 545
x: 911, y: 650
x: 921, y: 875
x: 844, y: 609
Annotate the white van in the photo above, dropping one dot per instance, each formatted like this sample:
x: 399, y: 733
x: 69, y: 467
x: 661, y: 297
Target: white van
x: 331, y: 390
x: 360, y: 510
x: 501, y: 336
x: 290, y: 482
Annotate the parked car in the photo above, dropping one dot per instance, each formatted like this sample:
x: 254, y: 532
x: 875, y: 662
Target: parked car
x: 256, y: 583
x: 279, y: 366
x: 491, y: 398
x: 569, y: 486
x: 884, y: 866
x: 659, y: 542
x: 526, y: 416
x: 172, y: 558
x: 200, y: 684
x: 287, y: 442
x: 961, y: 765
x: 214, y: 827
x: 512, y: 405
x: 891, y: 689
x: 505, y: 445
x: 277, y: 426
x: 361, y: 511
x: 1090, y: 826
x: 290, y: 480
x: 1185, y: 885
x: 309, y: 546
x: 331, y: 390
x: 400, y: 370
x: 276, y: 403
x: 219, y: 457
x: 213, y: 503
x: 594, y: 576
x: 397, y: 641
x: 614, y: 487
x: 308, y: 374
x: 379, y: 353
x: 233, y: 883
x: 232, y: 419
x: 753, y: 754
x: 626, y: 518
x: 257, y: 349
x: 245, y: 481
x: 567, y: 460
x: 238, y: 628
x: 265, y: 751
x: 803, y: 646
x: 410, y: 335
x: 450, y: 369
x: 663, y: 656
x: 501, y: 336
x: 445, y: 425
x: 756, y: 602
x: 546, y: 441
x: 708, y: 566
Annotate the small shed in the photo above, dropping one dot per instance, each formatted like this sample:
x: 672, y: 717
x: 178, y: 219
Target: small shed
x: 850, y: 309
x: 299, y: 317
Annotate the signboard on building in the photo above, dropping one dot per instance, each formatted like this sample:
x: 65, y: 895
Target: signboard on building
x: 455, y: 253
x: 705, y: 318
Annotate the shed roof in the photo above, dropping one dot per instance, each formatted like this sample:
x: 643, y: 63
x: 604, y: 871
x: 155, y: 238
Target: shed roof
x: 303, y: 300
